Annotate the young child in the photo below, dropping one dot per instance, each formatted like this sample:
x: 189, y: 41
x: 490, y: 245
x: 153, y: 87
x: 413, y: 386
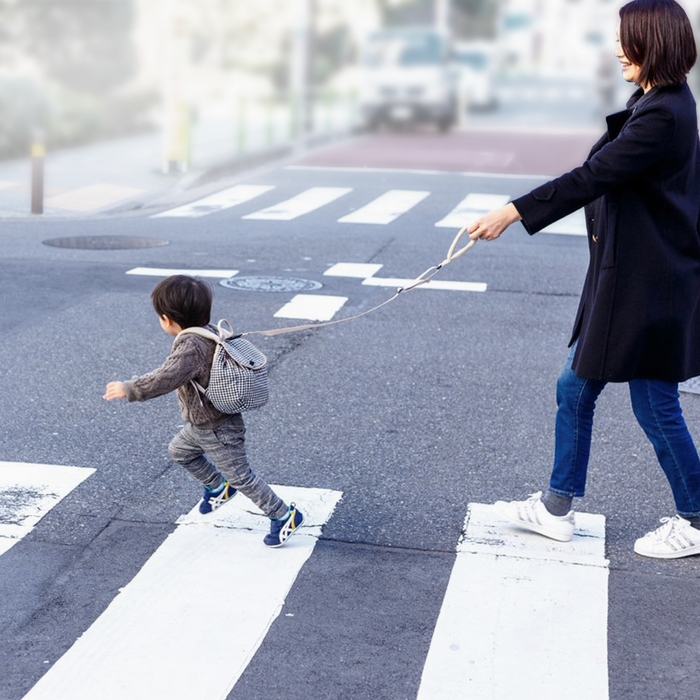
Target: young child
x: 211, y: 446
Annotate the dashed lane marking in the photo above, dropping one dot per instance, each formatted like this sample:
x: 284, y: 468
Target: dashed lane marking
x: 28, y: 492
x: 523, y: 616
x: 444, y: 285
x: 312, y: 307
x: 168, y: 272
x: 191, y: 620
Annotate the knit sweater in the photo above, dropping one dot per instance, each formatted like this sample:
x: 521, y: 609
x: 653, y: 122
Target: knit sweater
x: 190, y: 359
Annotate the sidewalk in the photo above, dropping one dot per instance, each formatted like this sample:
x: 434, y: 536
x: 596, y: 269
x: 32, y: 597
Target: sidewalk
x: 126, y: 173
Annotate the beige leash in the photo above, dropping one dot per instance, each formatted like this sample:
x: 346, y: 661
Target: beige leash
x: 452, y: 254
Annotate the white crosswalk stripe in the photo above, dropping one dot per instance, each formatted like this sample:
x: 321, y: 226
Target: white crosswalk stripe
x: 201, y: 652
x: 28, y: 492
x: 472, y: 207
x: 381, y: 210
x: 303, y: 203
x: 231, y: 197
x: 523, y: 616
x: 386, y: 208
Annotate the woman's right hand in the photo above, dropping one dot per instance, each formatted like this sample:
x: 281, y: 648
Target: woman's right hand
x: 490, y: 226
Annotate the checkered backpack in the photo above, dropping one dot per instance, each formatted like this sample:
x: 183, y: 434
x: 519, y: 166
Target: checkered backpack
x: 238, y: 379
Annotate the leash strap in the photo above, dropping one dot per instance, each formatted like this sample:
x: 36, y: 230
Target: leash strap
x: 452, y: 254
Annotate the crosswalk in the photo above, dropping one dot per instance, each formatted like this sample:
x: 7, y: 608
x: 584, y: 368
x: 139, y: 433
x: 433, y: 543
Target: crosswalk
x: 382, y: 210
x: 522, y: 616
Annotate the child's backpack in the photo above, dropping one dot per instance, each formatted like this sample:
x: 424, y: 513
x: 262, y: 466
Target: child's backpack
x: 238, y: 379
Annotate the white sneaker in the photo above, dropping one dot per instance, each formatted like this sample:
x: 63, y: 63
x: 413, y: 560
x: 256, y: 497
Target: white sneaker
x: 533, y: 515
x: 674, y: 539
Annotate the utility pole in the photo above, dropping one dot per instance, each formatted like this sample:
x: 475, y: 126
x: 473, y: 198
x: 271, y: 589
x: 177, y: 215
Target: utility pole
x: 301, y: 66
x: 442, y: 16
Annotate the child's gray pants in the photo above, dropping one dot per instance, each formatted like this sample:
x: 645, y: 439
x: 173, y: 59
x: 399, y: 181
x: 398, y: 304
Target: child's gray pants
x: 209, y: 454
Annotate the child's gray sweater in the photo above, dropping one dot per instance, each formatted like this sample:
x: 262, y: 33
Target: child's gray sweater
x: 190, y: 359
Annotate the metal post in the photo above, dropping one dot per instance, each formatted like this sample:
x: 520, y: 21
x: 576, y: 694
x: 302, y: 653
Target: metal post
x: 38, y: 153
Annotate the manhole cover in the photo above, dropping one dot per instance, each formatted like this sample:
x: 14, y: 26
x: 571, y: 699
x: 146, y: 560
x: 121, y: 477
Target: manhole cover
x: 105, y: 242
x: 270, y: 284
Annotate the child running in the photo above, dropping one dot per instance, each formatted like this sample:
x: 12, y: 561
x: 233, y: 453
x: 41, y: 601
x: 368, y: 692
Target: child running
x: 211, y: 446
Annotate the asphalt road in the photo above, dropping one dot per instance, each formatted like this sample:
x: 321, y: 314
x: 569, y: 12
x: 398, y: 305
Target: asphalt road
x: 442, y: 399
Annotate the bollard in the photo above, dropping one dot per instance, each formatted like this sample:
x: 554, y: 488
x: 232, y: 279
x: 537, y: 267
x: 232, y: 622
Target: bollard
x: 38, y: 153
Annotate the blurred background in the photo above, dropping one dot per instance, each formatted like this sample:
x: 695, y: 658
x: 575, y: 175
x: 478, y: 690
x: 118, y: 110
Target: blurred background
x: 220, y: 78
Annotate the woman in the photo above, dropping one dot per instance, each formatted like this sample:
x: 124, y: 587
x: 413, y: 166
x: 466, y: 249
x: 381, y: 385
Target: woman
x: 639, y: 316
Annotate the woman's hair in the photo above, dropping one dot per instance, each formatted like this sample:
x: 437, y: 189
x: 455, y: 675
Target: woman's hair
x: 183, y: 299
x: 656, y: 35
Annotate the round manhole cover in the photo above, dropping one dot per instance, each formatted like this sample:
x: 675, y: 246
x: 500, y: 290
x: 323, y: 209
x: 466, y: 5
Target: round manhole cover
x: 105, y: 242
x: 270, y: 284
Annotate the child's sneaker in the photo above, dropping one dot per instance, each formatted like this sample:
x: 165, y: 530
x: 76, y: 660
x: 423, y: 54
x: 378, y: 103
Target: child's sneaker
x: 674, y: 539
x: 282, y: 528
x: 533, y: 515
x: 215, y: 499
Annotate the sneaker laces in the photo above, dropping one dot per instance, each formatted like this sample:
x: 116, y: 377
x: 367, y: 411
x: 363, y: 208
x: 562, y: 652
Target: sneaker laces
x: 668, y: 526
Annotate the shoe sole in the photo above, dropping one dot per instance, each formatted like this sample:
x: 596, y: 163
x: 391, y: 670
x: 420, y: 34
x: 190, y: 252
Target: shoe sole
x: 688, y: 552
x: 534, y: 527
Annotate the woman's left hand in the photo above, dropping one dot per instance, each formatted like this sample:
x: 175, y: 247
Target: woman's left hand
x: 493, y: 224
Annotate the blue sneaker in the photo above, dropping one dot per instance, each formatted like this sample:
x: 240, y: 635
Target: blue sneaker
x: 215, y: 499
x: 282, y: 528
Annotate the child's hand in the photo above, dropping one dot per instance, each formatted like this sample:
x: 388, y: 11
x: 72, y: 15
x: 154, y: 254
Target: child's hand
x: 115, y: 390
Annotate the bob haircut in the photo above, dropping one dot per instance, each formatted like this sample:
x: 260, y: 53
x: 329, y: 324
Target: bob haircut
x: 183, y: 299
x: 656, y: 35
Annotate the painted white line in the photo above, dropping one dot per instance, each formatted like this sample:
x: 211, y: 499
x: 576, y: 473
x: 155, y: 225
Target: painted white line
x: 312, y: 307
x: 305, y: 202
x: 357, y: 270
x: 413, y: 171
x: 191, y: 620
x: 385, y: 208
x: 572, y: 225
x: 433, y: 284
x: 472, y: 207
x: 168, y: 272
x: 523, y: 616
x: 28, y: 492
x: 91, y: 197
x: 231, y: 197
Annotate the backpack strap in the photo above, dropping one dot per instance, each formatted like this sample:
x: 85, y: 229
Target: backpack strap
x: 218, y: 338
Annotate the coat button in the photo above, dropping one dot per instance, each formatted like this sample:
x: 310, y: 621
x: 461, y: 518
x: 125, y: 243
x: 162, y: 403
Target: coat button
x: 595, y: 239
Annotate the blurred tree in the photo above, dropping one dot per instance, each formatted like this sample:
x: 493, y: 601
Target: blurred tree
x: 474, y: 19
x: 85, y: 46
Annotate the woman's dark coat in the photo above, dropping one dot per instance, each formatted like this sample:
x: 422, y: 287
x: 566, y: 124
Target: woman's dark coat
x: 639, y: 315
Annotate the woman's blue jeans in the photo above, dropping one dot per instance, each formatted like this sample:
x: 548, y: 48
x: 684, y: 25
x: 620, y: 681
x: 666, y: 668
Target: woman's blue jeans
x: 656, y: 406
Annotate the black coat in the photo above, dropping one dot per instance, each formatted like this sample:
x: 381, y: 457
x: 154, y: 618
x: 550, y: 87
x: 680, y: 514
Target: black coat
x: 639, y: 315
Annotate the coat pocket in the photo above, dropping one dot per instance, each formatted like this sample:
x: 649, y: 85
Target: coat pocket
x: 607, y: 226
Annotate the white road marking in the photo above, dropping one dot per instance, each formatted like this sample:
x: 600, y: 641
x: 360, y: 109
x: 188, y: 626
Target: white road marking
x: 304, y: 203
x: 191, y: 620
x: 357, y: 270
x: 91, y: 197
x: 312, y: 307
x: 231, y: 197
x: 28, y: 492
x: 523, y: 616
x: 433, y: 284
x: 385, y: 208
x: 168, y: 272
x: 472, y: 207
x: 572, y: 225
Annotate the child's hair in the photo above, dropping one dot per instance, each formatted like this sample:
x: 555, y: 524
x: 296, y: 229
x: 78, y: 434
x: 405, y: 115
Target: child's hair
x: 183, y: 299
